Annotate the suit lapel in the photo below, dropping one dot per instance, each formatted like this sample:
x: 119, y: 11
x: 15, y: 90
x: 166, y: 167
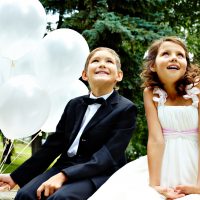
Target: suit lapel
x: 80, y: 111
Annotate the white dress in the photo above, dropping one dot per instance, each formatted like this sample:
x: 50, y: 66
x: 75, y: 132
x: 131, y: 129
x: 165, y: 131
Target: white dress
x: 180, y: 159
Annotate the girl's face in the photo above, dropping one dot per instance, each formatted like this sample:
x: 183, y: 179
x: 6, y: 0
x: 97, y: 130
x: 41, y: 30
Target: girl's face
x: 170, y: 63
x: 102, y: 67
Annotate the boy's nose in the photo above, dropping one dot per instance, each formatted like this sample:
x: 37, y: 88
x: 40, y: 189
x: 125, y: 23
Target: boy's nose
x: 102, y: 64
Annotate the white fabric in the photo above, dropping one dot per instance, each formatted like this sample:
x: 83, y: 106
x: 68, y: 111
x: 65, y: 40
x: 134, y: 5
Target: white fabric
x: 180, y: 159
x: 91, y: 110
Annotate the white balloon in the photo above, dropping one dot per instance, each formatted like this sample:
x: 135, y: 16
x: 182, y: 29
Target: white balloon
x: 5, y: 69
x: 59, y: 99
x: 57, y: 63
x: 24, y: 107
x: 60, y: 57
x: 22, y: 25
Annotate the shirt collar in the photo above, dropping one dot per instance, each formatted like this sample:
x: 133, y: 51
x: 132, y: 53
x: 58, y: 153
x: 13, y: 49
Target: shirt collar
x: 104, y: 96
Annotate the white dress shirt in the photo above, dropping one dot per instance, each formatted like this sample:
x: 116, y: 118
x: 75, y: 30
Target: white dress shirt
x: 91, y: 110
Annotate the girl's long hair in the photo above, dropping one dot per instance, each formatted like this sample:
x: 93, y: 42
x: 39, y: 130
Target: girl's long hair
x: 151, y: 79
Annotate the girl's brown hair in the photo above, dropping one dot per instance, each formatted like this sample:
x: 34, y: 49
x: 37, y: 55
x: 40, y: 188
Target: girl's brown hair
x: 151, y: 79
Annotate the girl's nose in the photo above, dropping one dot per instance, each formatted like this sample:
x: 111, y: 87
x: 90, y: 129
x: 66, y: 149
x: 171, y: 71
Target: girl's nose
x: 173, y: 58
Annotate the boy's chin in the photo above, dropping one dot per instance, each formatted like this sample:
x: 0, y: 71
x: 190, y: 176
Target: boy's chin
x: 102, y: 78
x: 102, y: 81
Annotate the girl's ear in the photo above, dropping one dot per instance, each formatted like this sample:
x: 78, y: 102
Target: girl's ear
x: 153, y: 68
x: 84, y: 75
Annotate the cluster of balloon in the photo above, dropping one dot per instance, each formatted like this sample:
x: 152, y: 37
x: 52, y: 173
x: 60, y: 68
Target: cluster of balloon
x: 38, y: 75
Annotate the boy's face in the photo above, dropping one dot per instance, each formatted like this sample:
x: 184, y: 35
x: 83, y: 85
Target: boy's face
x: 102, y: 68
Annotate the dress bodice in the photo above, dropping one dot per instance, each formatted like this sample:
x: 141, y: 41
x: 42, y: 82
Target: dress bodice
x: 178, y: 119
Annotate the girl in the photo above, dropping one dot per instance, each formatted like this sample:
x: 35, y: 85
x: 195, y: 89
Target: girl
x: 171, y: 99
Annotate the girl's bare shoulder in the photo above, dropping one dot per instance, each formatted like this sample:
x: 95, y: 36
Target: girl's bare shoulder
x: 198, y: 85
x: 148, y: 90
x: 148, y: 93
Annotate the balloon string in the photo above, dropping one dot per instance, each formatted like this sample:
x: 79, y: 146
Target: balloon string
x: 4, y: 148
x: 19, y: 154
x: 5, y: 158
x: 12, y: 63
x: 12, y: 67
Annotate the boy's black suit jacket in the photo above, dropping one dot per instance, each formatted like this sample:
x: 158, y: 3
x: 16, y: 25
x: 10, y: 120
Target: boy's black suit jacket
x: 102, y: 144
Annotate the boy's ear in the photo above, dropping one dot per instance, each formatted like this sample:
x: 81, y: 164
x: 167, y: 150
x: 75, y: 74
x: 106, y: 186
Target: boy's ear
x: 119, y: 76
x: 84, y: 75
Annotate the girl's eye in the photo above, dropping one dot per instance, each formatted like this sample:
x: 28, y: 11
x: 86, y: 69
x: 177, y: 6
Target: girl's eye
x: 165, y: 54
x: 94, y: 61
x: 180, y: 55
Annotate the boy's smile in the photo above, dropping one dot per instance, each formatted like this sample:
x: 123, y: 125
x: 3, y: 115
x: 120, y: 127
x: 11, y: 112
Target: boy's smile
x: 102, y: 72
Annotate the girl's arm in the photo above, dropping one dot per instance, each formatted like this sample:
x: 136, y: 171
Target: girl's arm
x: 155, y: 148
x: 155, y: 145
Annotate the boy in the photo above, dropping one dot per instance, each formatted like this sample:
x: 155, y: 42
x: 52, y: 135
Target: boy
x: 90, y: 138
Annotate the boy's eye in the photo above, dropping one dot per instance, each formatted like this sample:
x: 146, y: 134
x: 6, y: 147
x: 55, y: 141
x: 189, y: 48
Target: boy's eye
x: 109, y: 61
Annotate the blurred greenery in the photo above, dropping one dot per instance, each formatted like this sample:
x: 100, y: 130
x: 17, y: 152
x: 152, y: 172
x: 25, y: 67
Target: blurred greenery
x: 18, y: 157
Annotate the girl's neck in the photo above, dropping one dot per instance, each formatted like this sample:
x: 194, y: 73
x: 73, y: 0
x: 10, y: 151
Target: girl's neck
x: 171, y: 91
x: 173, y: 99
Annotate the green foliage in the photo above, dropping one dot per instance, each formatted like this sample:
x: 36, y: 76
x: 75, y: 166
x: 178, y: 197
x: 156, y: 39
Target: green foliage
x: 18, y: 157
x: 128, y: 27
x: 193, y: 41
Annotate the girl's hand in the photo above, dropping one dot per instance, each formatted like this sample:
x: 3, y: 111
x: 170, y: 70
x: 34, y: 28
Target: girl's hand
x: 188, y: 189
x: 169, y: 193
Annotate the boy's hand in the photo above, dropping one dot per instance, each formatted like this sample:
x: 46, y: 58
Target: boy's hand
x: 188, y: 189
x: 6, y: 182
x: 51, y: 185
x: 169, y: 193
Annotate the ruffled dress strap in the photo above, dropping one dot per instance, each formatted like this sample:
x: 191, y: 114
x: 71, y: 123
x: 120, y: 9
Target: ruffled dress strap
x: 191, y: 93
x: 161, y: 98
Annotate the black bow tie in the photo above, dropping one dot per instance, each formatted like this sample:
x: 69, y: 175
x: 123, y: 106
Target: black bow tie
x: 90, y: 101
